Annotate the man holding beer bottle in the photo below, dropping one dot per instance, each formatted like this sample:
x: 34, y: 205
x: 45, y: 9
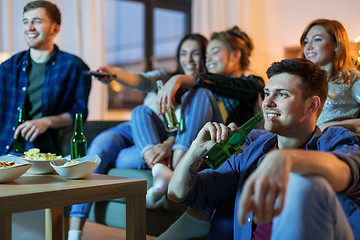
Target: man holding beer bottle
x: 295, y: 182
x: 46, y: 81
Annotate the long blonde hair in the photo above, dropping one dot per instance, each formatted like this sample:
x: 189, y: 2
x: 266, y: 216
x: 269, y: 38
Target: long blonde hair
x: 342, y: 61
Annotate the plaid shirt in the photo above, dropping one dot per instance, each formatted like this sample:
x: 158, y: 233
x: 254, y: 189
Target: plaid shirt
x: 239, y: 95
x: 65, y: 89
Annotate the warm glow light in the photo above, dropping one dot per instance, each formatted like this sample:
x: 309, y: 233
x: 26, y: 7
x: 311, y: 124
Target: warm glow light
x: 357, y: 39
x: 4, y: 56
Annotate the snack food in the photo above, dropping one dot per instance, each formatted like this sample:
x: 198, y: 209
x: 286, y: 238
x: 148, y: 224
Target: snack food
x: 4, y: 164
x: 70, y: 163
x: 34, y: 154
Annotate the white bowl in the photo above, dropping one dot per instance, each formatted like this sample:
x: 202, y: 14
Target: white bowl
x: 9, y: 174
x: 41, y: 166
x: 82, y: 169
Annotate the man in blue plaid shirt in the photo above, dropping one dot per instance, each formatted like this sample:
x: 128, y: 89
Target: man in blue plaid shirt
x: 49, y: 83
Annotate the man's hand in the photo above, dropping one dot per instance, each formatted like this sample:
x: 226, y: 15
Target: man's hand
x: 264, y: 191
x: 31, y: 129
x: 160, y: 153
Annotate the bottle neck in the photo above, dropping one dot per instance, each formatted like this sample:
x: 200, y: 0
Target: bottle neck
x: 250, y: 124
x: 78, y: 129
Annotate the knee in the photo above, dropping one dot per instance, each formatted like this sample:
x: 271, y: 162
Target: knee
x: 140, y: 110
x: 314, y: 188
x: 105, y: 137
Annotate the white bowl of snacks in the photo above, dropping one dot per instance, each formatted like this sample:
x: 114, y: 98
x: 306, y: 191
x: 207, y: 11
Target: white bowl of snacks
x: 12, y: 167
x: 76, y: 168
x: 40, y: 161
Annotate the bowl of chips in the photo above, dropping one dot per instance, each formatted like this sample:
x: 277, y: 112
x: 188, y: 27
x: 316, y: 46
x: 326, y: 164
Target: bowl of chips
x: 40, y: 161
x: 12, y: 167
x: 76, y: 168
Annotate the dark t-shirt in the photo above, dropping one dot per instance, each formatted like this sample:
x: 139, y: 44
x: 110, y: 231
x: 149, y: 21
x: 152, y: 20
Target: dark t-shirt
x: 36, y: 78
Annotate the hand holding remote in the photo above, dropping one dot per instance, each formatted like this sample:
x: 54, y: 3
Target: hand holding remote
x: 102, y: 76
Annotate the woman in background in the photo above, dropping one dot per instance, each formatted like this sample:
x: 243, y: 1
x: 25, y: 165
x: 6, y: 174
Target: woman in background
x: 325, y: 42
x: 236, y: 93
x: 115, y: 146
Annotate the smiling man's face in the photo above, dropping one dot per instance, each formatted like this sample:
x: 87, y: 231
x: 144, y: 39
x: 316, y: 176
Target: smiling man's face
x: 39, y: 30
x: 284, y: 107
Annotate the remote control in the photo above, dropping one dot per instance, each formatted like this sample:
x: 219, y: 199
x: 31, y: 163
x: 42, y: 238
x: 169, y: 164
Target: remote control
x: 100, y: 74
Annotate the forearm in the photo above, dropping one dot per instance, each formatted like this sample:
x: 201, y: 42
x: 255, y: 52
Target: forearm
x: 187, y: 81
x: 58, y: 121
x: 226, y: 86
x: 327, y: 165
x: 129, y: 79
x: 185, y: 173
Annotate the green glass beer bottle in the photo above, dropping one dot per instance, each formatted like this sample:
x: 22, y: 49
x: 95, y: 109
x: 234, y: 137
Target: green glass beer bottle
x: 19, y: 144
x: 169, y: 116
x: 78, y: 144
x: 220, y: 152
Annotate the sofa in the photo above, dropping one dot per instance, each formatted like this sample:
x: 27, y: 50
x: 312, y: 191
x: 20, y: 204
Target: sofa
x: 112, y: 213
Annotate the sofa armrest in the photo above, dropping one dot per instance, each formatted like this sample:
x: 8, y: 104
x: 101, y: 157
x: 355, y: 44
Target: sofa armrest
x: 91, y: 130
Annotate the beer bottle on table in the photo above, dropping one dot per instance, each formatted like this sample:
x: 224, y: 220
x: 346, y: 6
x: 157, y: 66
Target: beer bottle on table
x: 19, y: 144
x: 169, y: 116
x: 220, y: 152
x: 78, y: 144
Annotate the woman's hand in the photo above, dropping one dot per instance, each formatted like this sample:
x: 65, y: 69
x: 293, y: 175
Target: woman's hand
x: 166, y: 97
x: 109, y: 70
x: 160, y: 153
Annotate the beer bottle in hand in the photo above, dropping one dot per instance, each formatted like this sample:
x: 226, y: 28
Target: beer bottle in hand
x: 169, y: 116
x: 19, y: 145
x: 78, y: 143
x: 218, y: 153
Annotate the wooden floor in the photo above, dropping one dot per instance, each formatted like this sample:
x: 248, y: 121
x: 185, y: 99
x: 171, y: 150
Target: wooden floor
x: 94, y: 231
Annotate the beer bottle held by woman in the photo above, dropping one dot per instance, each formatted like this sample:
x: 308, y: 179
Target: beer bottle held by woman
x: 169, y: 116
x: 78, y: 144
x: 218, y: 153
x: 19, y: 144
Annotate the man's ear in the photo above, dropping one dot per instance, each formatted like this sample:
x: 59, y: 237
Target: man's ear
x: 56, y: 29
x: 314, y: 104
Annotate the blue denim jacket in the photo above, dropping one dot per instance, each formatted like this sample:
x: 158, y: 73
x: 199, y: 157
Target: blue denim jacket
x: 213, y: 185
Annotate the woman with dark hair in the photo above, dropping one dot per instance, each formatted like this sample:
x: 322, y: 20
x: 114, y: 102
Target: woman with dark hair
x: 115, y: 146
x: 325, y: 42
x: 228, y: 83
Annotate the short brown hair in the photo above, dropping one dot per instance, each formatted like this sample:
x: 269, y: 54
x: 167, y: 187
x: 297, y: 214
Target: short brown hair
x: 51, y: 9
x: 313, y: 78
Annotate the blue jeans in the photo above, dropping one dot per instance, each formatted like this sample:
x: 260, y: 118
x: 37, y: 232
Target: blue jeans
x: 116, y: 148
x: 311, y: 211
x: 198, y: 106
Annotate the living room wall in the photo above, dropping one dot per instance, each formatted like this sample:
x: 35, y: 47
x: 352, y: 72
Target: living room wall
x: 273, y: 24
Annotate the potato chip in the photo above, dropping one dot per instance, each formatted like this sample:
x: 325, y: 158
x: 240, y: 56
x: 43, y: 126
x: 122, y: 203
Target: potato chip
x: 34, y: 154
x: 4, y: 164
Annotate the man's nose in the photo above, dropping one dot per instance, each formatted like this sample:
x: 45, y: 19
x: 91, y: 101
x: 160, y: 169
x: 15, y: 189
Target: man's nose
x: 269, y: 102
x: 30, y: 26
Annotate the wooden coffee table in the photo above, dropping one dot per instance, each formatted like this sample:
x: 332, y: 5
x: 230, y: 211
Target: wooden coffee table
x: 32, y: 192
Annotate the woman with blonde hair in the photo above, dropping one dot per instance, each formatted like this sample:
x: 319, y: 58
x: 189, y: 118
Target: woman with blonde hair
x: 325, y: 42
x: 236, y: 92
